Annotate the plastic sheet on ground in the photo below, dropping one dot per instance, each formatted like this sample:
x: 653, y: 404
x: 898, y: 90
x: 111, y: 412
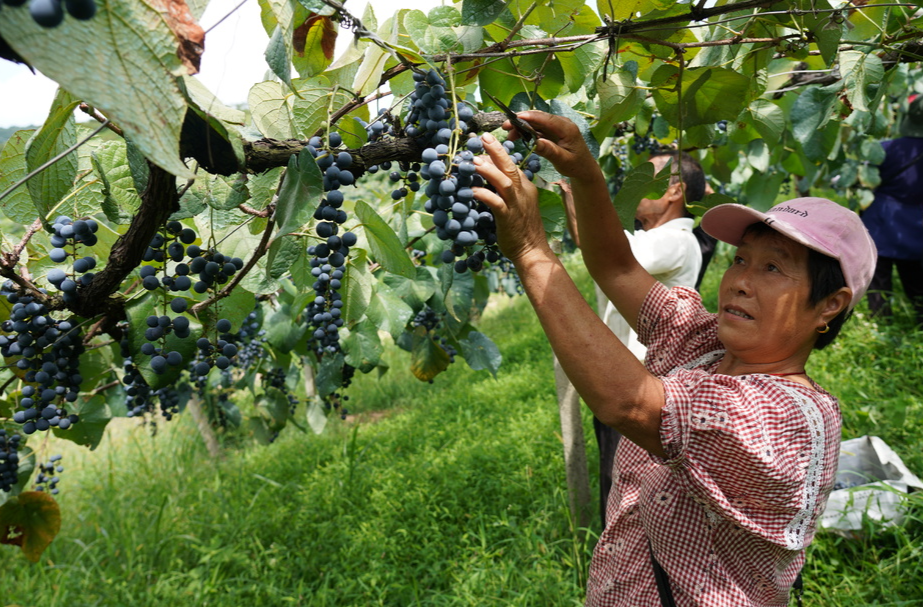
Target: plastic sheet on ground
x: 872, y: 481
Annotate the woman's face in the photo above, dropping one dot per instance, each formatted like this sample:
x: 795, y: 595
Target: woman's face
x: 764, y: 315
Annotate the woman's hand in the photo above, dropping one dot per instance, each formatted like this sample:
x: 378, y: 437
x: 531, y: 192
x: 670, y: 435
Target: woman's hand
x: 514, y: 205
x: 561, y: 143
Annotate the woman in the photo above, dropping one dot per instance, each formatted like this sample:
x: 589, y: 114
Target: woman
x: 732, y: 448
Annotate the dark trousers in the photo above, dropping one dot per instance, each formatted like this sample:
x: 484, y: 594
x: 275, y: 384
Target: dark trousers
x: 608, y: 439
x: 910, y: 272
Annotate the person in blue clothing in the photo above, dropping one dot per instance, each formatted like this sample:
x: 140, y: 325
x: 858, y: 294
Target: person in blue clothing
x: 895, y: 217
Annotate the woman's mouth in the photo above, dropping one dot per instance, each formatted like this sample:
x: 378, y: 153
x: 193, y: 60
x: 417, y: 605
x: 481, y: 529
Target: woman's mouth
x: 740, y: 313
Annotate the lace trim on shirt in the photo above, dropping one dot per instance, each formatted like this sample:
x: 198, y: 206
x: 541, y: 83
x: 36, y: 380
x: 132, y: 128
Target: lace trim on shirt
x: 798, y: 527
x: 703, y: 361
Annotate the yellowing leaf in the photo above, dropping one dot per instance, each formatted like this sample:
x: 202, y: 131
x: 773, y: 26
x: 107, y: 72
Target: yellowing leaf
x: 31, y: 521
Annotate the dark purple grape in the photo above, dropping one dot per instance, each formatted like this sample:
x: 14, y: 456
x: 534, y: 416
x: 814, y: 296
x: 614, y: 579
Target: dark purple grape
x: 81, y: 9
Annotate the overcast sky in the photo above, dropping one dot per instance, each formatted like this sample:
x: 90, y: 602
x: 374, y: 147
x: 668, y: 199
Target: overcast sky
x: 232, y: 63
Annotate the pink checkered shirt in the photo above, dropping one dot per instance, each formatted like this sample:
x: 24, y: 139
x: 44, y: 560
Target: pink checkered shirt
x: 750, y: 462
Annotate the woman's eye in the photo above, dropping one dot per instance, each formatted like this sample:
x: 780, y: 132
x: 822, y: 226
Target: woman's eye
x: 738, y: 259
x: 772, y: 268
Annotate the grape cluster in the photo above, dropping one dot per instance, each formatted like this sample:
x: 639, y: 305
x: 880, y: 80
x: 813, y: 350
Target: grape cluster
x: 50, y: 13
x: 380, y: 127
x: 337, y: 400
x: 418, y: 256
x: 137, y: 391
x: 212, y: 267
x: 430, y: 320
x: 451, y: 174
x: 620, y: 152
x: 508, y: 279
x: 644, y: 143
x: 328, y: 258
x: 249, y: 341
x: 9, y: 460
x: 276, y: 378
x: 175, y: 244
x: 218, y: 354
x: 430, y: 119
x: 139, y: 398
x: 49, y: 352
x: 69, y: 233
x: 46, y: 478
x: 158, y: 327
x: 427, y: 318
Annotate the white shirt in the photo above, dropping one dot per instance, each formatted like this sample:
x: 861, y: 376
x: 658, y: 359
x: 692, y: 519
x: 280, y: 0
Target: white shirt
x: 671, y: 254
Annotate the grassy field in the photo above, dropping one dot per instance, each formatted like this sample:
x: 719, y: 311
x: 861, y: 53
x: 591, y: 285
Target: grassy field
x: 443, y: 494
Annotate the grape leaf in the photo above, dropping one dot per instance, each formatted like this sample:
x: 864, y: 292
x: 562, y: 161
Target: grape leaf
x: 357, y: 289
x: 281, y: 330
x: 330, y: 374
x: 708, y: 94
x: 31, y: 521
x: 111, y: 164
x: 481, y: 353
x: 481, y: 12
x: 300, y: 194
x: 271, y: 113
x: 554, y: 217
x: 620, y: 98
x: 459, y: 298
x: 427, y: 358
x: 860, y: 71
x: 811, y: 111
x: 762, y: 189
x: 639, y: 183
x: 57, y: 134
x: 385, y: 245
x: 315, y: 415
x: 18, y: 205
x: 414, y: 292
x: 313, y: 44
x: 95, y: 414
x: 363, y: 346
x: 388, y: 311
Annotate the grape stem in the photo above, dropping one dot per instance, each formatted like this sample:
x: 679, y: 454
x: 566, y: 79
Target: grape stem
x: 12, y: 258
x: 92, y: 111
x: 9, y: 260
x: 7, y: 383
x: 251, y: 211
x: 417, y: 239
x: 102, y: 389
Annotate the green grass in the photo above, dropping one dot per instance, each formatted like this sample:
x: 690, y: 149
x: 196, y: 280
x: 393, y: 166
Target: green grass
x: 443, y: 494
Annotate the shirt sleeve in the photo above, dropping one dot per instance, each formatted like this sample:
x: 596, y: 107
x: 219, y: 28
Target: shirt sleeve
x: 657, y: 250
x: 752, y: 449
x: 675, y: 327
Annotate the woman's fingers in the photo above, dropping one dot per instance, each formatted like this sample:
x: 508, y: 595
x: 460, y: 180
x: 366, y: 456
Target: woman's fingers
x: 491, y: 199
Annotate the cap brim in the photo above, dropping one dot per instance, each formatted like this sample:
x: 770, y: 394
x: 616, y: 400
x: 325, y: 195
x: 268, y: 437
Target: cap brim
x: 728, y: 222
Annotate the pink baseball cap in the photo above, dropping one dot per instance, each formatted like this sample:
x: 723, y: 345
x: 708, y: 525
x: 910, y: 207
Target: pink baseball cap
x: 817, y: 223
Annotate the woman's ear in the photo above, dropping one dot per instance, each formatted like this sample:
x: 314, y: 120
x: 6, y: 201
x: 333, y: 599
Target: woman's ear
x: 835, y: 303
